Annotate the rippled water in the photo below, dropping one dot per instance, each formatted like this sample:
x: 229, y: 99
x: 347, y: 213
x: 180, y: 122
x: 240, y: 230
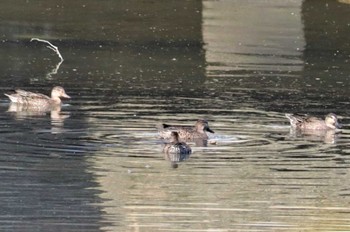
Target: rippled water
x: 97, y: 165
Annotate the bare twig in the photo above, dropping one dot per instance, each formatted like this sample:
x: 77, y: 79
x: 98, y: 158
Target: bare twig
x: 51, y: 46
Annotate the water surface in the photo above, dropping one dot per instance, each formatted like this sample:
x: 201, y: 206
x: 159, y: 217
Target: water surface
x: 97, y: 165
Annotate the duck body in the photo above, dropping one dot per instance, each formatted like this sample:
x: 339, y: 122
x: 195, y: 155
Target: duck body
x: 176, y: 147
x: 186, y: 133
x: 38, y: 100
x: 313, y: 123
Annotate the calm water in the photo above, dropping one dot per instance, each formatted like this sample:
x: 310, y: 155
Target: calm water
x: 129, y: 65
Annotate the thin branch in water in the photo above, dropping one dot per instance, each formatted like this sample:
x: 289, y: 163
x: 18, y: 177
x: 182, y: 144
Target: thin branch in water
x: 55, y: 49
x: 51, y: 46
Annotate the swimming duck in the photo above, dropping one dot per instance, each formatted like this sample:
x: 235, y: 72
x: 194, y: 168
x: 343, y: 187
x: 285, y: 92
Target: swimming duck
x: 176, y: 147
x: 186, y: 133
x: 37, y: 99
x: 312, y: 123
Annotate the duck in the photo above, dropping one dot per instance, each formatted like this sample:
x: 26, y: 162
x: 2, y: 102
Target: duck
x: 313, y: 123
x: 38, y: 100
x: 186, y: 133
x: 176, y: 147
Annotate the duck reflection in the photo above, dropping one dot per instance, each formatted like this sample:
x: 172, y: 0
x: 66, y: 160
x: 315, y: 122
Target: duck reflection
x: 174, y: 159
x: 24, y: 111
x: 326, y: 136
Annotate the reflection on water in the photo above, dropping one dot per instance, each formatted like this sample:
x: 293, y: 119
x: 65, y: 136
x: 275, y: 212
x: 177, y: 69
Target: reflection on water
x: 97, y: 163
x: 174, y: 159
x: 256, y: 169
x: 327, y: 136
x: 27, y: 112
x: 246, y: 42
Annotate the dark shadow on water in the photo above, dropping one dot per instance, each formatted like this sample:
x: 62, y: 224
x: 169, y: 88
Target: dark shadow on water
x: 45, y: 193
x: 327, y: 50
x: 45, y: 183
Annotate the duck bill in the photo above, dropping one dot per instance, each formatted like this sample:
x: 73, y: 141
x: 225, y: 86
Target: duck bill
x: 208, y: 129
x: 66, y: 95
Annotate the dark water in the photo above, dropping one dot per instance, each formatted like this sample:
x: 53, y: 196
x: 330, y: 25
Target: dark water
x: 129, y: 65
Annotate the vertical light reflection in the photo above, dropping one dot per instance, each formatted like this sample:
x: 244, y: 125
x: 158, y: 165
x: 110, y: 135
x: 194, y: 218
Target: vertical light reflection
x: 252, y: 36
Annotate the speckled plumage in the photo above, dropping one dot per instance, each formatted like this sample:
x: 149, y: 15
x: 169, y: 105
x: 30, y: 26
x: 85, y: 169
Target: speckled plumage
x: 313, y: 123
x: 186, y: 133
x: 176, y: 147
x: 37, y: 99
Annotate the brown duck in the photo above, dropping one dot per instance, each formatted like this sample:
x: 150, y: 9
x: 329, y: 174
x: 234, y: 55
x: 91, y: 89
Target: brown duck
x: 37, y: 99
x: 312, y: 123
x: 175, y: 146
x: 186, y: 133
